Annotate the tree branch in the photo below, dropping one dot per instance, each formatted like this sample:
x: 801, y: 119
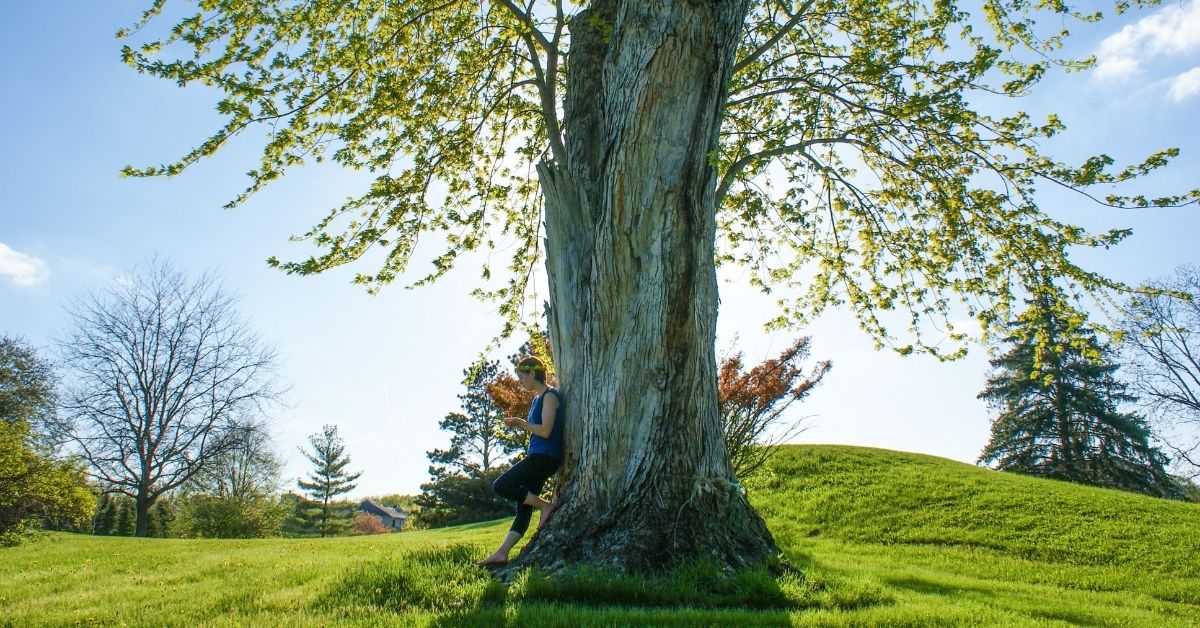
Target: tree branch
x: 770, y: 43
x: 736, y: 167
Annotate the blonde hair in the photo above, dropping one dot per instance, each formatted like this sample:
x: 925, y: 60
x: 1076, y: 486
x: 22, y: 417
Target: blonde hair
x: 531, y: 364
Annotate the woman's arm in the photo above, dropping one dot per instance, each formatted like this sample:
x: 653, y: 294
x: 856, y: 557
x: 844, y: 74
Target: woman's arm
x: 549, y: 411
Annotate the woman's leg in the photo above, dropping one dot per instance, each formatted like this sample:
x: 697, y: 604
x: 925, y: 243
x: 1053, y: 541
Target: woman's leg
x: 522, y: 484
x: 532, y: 500
x: 500, y: 556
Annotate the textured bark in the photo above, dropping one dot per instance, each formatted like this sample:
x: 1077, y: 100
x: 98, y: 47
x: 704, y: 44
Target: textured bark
x: 630, y: 224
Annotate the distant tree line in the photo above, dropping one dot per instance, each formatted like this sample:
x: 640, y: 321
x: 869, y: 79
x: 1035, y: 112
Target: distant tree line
x: 158, y: 426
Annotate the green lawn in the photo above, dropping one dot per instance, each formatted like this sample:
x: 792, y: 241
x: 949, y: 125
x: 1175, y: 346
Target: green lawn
x: 882, y: 538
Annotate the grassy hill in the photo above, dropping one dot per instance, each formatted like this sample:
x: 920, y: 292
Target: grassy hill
x: 882, y: 538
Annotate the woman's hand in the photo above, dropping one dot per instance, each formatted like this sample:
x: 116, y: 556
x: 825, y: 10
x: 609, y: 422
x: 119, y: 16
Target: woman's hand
x: 513, y: 421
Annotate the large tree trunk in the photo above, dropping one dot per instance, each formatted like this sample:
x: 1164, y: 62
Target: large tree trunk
x: 630, y: 224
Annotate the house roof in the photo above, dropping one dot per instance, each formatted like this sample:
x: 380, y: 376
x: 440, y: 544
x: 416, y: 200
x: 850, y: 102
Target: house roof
x: 394, y: 513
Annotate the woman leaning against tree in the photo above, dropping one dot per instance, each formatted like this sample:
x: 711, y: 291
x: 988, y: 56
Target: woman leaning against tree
x: 523, y: 483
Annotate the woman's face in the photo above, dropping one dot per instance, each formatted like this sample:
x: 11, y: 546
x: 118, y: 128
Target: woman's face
x: 527, y: 380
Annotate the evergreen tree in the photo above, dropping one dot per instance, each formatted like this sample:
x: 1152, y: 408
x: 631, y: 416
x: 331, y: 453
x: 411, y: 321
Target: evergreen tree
x: 479, y: 442
x: 162, y: 515
x: 298, y: 521
x: 328, y: 480
x: 106, y: 515
x: 126, y: 523
x: 481, y: 448
x: 1058, y: 408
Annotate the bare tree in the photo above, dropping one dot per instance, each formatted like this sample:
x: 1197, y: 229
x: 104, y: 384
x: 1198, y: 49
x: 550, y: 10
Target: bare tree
x: 1162, y: 343
x: 247, y: 470
x: 161, y: 369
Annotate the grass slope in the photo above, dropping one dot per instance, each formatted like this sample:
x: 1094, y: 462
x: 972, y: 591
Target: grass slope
x: 882, y: 537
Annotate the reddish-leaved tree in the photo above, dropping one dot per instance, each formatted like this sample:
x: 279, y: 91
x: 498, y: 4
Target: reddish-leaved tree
x: 754, y: 403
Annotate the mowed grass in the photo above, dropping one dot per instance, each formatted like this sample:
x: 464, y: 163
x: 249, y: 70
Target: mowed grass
x: 878, y: 538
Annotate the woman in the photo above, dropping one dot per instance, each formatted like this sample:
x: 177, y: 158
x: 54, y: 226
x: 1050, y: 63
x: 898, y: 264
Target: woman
x: 524, y: 481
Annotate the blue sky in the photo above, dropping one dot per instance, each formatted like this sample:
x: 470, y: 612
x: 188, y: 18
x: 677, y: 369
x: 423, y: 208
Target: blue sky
x: 385, y: 369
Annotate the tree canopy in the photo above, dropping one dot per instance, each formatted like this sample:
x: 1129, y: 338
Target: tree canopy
x: 855, y: 165
x: 27, y: 386
x: 36, y: 490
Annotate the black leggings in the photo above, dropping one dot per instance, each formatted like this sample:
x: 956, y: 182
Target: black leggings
x: 527, y: 476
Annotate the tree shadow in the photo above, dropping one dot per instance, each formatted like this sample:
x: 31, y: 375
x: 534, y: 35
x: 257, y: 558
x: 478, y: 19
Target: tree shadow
x: 688, y: 595
x: 921, y: 585
x: 445, y: 583
x: 538, y: 614
x: 592, y: 597
x: 1045, y: 612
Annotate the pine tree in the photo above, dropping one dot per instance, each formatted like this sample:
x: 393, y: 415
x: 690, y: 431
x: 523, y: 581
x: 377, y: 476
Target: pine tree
x: 162, y: 514
x: 481, y: 448
x: 479, y: 440
x: 106, y: 515
x: 1058, y: 409
x: 301, y: 515
x: 126, y: 523
x: 328, y: 480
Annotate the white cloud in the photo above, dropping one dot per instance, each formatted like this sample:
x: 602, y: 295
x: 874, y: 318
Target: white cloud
x: 1175, y: 30
x: 21, y: 269
x: 1185, y: 85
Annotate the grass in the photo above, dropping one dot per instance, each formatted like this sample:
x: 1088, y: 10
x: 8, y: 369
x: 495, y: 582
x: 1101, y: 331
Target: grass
x: 880, y: 538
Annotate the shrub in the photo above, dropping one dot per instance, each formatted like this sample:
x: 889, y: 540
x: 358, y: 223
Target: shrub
x: 209, y: 516
x: 37, y: 491
x: 366, y: 523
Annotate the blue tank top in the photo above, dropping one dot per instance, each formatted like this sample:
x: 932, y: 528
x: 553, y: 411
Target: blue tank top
x: 552, y: 446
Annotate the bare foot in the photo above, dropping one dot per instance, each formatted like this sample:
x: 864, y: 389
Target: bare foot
x: 494, y: 559
x: 547, y: 512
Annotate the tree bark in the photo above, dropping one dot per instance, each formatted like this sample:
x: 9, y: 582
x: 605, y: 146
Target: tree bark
x: 630, y: 228
x: 142, y: 506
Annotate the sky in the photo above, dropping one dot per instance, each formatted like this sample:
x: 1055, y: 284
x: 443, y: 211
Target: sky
x: 386, y: 368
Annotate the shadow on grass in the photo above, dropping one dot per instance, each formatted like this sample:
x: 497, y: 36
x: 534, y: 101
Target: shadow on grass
x: 920, y: 585
x: 445, y: 583
x: 1073, y: 618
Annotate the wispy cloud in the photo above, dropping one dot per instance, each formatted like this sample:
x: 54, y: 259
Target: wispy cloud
x: 1175, y: 30
x: 21, y: 269
x: 1185, y: 85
